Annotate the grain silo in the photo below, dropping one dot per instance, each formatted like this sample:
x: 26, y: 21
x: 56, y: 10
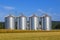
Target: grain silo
x: 46, y: 22
x: 34, y: 22
x: 22, y: 22
x: 10, y: 22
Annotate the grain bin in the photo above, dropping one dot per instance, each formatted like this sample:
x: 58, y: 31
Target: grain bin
x: 46, y: 22
x: 10, y: 22
x: 34, y: 22
x: 22, y: 22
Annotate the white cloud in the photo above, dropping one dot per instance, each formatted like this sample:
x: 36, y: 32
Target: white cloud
x: 40, y: 10
x: 8, y: 8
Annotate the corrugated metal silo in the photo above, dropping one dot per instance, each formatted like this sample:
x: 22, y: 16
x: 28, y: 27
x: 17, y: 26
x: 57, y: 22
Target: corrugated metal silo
x: 34, y: 22
x: 10, y: 22
x: 46, y: 22
x: 22, y: 22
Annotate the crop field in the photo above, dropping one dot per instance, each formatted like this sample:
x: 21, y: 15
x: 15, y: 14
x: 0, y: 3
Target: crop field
x: 52, y: 35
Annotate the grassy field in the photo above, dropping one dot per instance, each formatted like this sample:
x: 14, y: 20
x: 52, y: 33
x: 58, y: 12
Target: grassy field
x: 30, y: 36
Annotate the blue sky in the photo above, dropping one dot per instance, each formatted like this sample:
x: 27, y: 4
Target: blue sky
x: 29, y: 7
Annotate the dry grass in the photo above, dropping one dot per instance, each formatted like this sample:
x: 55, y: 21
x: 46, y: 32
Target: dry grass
x: 31, y: 36
x: 25, y: 31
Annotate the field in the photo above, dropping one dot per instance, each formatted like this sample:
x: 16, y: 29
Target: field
x: 52, y: 35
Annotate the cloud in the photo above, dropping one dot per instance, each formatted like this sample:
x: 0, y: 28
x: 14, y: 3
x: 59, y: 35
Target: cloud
x: 8, y: 8
x: 41, y: 11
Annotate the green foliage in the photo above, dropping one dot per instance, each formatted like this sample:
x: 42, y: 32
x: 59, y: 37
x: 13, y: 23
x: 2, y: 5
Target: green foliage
x: 55, y: 24
x: 2, y: 25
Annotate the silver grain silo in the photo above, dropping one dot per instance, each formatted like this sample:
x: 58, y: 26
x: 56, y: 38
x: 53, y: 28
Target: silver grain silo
x: 22, y: 22
x: 10, y: 22
x: 34, y: 22
x: 46, y: 22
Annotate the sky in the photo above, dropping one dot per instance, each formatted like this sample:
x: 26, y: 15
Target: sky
x: 29, y: 7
